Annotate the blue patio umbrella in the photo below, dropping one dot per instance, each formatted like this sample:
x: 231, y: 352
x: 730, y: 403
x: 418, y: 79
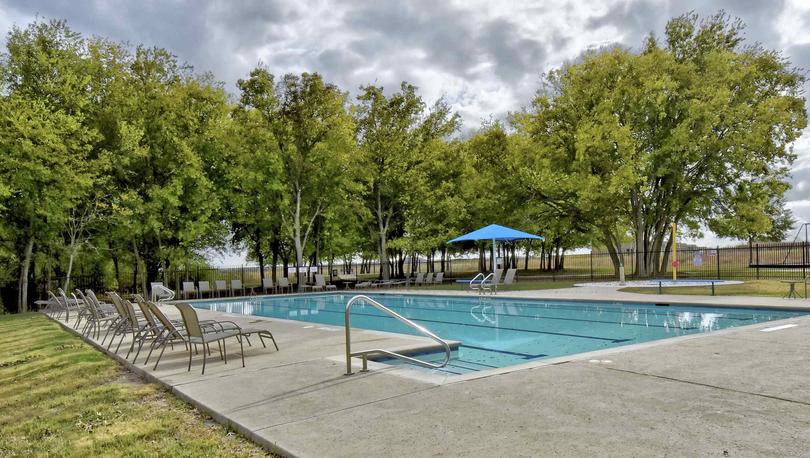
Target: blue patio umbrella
x: 496, y: 233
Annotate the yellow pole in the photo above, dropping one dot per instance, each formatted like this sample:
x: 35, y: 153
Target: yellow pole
x: 674, y: 253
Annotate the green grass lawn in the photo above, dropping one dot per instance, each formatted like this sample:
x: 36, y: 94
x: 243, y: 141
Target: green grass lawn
x: 61, y: 397
x: 518, y: 286
x: 772, y: 288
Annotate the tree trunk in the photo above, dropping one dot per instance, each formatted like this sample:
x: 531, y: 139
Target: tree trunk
x: 260, y: 254
x: 73, y: 251
x: 274, y: 247
x: 664, y: 265
x: 299, y: 248
x: 528, y: 253
x: 116, y: 270
x: 382, y: 227
x: 444, y: 253
x: 22, y: 294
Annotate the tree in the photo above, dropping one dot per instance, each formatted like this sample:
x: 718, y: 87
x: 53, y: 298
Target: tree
x: 439, y: 198
x: 671, y: 134
x: 166, y: 137
x: 393, y: 133
x: 254, y: 172
x: 44, y: 143
x: 314, y: 133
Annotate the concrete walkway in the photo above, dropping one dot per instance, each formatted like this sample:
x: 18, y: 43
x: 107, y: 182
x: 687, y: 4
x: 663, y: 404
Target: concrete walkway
x: 740, y: 392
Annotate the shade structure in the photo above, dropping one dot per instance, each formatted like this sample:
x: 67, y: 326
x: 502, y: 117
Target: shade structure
x: 496, y: 233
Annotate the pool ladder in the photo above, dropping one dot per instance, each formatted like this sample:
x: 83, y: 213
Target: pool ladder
x: 364, y: 354
x: 482, y: 286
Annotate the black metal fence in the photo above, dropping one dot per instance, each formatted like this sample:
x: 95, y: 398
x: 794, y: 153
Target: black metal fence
x: 782, y: 261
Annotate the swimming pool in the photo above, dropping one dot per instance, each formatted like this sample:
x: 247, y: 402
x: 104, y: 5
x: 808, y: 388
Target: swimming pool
x: 500, y: 332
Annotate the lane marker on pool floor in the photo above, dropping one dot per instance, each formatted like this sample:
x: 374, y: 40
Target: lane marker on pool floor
x: 778, y: 328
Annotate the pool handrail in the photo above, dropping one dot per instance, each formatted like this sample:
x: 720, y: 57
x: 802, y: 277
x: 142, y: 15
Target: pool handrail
x: 485, y: 287
x: 475, y: 283
x: 364, y: 354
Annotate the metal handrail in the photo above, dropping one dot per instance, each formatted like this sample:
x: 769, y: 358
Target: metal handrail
x: 484, y: 287
x: 364, y: 354
x: 161, y: 293
x: 473, y: 286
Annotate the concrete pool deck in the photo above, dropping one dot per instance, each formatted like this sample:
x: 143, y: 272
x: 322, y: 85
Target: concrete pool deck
x: 739, y: 391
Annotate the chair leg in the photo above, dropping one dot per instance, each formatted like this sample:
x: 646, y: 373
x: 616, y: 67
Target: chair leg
x: 242, y: 352
x: 163, y: 348
x: 204, y: 356
x: 135, y: 337
x: 113, y: 325
x: 151, y: 348
x: 140, y: 346
x: 120, y: 341
x: 189, y: 359
x: 225, y: 351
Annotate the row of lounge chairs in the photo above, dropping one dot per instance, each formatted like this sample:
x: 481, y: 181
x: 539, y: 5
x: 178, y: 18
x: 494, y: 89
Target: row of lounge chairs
x: 148, y: 324
x: 236, y: 288
x: 419, y: 279
x: 222, y: 288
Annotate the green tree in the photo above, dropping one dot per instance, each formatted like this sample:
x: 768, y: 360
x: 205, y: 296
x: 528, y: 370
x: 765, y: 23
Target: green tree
x: 671, y: 134
x: 166, y: 137
x: 44, y: 141
x: 254, y: 173
x: 393, y: 134
x: 314, y: 132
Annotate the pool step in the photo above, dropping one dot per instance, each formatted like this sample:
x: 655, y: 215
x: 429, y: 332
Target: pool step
x: 456, y: 366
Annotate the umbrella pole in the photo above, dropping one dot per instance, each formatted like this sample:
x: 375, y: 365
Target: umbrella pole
x: 493, y: 256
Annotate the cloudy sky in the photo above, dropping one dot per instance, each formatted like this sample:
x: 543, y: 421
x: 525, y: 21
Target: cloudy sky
x: 484, y: 57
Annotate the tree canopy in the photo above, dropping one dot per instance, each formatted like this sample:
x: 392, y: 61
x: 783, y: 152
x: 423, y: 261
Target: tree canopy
x: 123, y: 161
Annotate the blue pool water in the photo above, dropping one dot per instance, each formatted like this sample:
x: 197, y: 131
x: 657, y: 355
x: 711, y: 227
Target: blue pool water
x: 499, y: 332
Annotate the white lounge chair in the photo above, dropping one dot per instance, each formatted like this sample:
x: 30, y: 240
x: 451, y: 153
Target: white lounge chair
x: 510, y: 277
x: 267, y: 284
x: 221, y: 287
x: 428, y: 278
x: 204, y: 287
x: 284, y: 284
x: 320, y: 283
x: 438, y: 279
x: 418, y: 279
x: 189, y: 289
x: 236, y: 285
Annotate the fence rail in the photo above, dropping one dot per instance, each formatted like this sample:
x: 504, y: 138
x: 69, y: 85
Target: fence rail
x: 783, y: 261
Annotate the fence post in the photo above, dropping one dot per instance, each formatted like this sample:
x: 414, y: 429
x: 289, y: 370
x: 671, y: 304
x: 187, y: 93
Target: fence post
x: 717, y: 255
x: 243, y: 275
x: 757, y: 261
x: 591, y: 258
